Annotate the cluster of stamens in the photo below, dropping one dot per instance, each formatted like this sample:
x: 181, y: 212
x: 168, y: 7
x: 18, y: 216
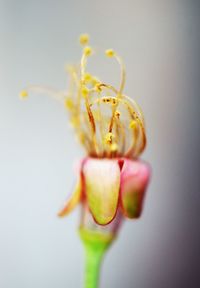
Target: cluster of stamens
x: 107, y: 122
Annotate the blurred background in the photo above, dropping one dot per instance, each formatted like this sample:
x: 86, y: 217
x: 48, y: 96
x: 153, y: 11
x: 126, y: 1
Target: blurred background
x: 159, y: 42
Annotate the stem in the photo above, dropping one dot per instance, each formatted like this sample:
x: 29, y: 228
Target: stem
x: 93, y: 265
x: 95, y: 244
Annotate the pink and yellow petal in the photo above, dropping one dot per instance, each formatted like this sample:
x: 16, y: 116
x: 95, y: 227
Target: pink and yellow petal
x: 102, y: 183
x: 71, y: 203
x: 134, y: 180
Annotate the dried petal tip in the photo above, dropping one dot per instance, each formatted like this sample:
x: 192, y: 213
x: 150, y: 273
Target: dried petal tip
x: 23, y: 94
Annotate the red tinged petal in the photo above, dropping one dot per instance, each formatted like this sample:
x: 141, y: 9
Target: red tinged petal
x: 102, y: 182
x: 134, y: 179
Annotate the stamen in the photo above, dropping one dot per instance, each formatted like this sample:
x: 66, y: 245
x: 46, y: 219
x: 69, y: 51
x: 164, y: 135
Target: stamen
x: 111, y: 53
x: 102, y: 134
x: 123, y: 74
x: 57, y: 95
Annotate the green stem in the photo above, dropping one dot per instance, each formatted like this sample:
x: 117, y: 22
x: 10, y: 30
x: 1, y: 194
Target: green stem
x: 95, y: 244
x: 92, y: 269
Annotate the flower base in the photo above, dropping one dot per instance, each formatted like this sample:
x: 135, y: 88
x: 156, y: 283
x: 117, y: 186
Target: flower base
x: 95, y: 244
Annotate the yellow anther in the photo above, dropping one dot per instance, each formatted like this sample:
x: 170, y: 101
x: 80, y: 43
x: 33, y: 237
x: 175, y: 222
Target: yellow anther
x: 114, y: 147
x: 87, y: 78
x: 133, y: 124
x: 84, y: 39
x: 109, y: 138
x: 84, y: 91
x: 87, y: 51
x: 23, y: 94
x: 109, y: 52
x: 68, y: 103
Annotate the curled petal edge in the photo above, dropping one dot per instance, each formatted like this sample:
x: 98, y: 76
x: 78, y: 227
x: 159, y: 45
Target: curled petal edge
x: 73, y: 201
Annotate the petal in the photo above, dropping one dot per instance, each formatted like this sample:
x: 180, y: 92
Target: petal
x: 134, y: 179
x: 102, y: 181
x: 71, y: 203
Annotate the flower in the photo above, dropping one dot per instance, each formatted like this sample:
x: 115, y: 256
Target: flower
x: 106, y: 185
x: 110, y: 126
x: 111, y: 180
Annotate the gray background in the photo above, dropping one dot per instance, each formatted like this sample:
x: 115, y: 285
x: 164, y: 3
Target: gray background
x: 159, y: 42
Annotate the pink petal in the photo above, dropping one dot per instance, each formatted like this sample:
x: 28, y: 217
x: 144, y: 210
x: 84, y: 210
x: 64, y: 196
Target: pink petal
x: 134, y: 179
x: 102, y: 182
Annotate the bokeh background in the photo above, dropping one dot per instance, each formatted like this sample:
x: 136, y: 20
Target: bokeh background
x: 159, y: 42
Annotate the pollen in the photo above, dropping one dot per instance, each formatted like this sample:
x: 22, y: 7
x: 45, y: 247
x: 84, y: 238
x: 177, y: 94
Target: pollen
x: 110, y: 52
x: 87, y: 51
x: 23, y: 94
x: 84, y: 39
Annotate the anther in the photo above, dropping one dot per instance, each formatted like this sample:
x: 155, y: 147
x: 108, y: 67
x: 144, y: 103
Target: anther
x: 84, y: 39
x: 23, y: 94
x: 109, y: 52
x: 87, y: 78
x: 68, y: 103
x: 87, y: 51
